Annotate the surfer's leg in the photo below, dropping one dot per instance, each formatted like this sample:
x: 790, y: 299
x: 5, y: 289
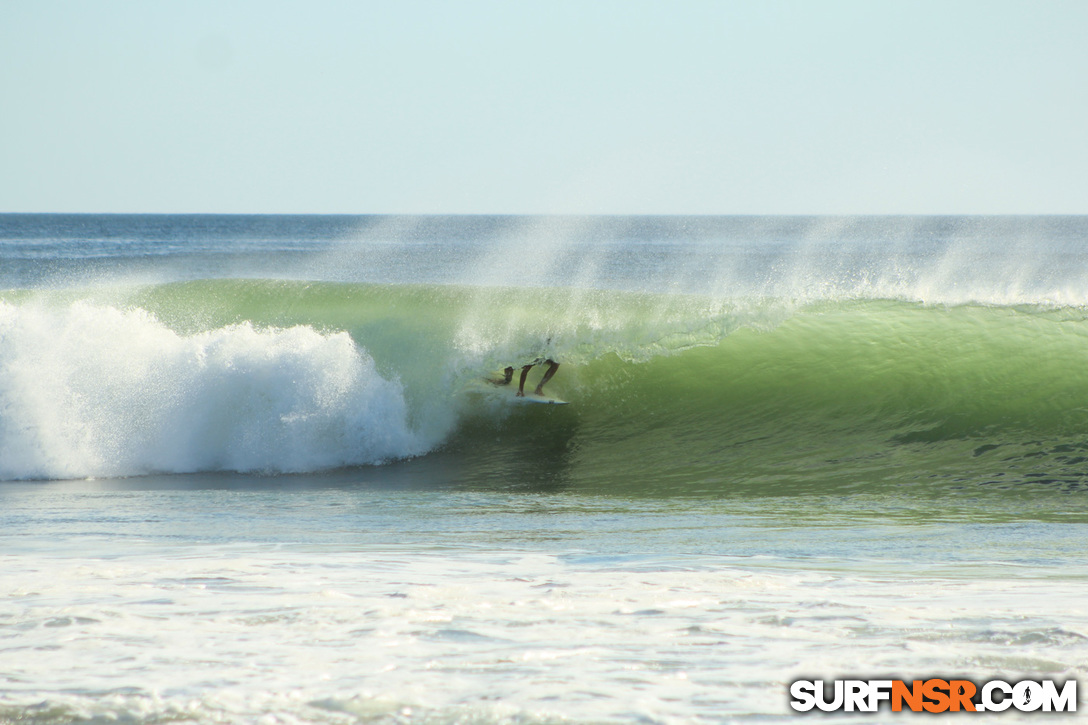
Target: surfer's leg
x: 521, y: 385
x: 552, y: 367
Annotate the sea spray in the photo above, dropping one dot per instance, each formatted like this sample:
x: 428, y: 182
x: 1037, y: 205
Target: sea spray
x: 90, y: 390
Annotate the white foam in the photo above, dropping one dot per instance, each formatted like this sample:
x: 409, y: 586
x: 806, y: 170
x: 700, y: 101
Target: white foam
x: 249, y: 634
x: 93, y: 391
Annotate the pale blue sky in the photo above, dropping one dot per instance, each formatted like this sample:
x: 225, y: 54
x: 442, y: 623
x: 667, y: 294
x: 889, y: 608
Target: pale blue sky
x: 761, y: 107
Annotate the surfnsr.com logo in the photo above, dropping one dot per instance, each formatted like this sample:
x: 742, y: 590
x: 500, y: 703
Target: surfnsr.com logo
x: 933, y: 695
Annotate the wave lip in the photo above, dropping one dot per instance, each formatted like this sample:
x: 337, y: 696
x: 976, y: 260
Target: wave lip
x: 97, y: 391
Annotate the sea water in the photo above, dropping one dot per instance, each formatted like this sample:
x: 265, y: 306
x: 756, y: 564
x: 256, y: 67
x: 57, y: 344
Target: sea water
x: 251, y: 469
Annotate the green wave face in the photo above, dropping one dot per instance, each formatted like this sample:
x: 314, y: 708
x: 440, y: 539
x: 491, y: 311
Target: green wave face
x: 858, y: 397
x: 681, y: 395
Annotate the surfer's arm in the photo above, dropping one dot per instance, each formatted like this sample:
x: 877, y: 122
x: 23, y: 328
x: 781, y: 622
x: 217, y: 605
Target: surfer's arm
x: 507, y: 376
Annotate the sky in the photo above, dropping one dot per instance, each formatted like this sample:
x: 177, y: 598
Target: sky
x: 590, y: 107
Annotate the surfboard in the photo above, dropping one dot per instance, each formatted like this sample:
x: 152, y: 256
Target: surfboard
x: 544, y: 399
x: 496, y: 386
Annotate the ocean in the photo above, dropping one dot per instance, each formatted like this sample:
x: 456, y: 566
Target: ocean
x: 252, y: 469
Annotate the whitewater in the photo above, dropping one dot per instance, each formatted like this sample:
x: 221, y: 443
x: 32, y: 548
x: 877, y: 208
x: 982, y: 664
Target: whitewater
x: 251, y: 468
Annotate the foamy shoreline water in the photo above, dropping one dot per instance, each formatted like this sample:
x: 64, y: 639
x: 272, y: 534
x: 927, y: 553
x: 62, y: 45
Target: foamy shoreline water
x: 270, y: 610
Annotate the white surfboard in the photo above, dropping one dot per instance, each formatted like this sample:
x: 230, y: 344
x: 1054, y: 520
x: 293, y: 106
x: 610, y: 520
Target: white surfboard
x: 533, y: 398
x: 510, y: 391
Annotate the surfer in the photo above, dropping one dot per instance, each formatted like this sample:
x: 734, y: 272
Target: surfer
x: 508, y: 375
